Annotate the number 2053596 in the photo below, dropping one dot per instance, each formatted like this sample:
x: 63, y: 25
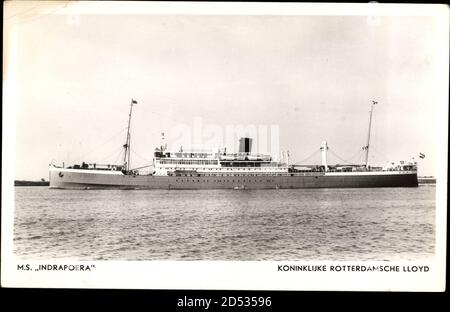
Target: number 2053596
x: 246, y: 301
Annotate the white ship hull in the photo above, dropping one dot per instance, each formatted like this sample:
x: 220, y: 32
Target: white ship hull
x: 99, y: 179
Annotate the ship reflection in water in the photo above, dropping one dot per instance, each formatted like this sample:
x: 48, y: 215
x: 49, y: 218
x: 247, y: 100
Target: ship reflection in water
x: 297, y: 224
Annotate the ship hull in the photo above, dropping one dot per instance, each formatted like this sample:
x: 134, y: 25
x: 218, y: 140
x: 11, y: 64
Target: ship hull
x: 94, y: 179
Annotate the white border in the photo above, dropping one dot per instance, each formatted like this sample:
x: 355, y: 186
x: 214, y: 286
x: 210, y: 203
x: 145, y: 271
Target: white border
x: 257, y: 275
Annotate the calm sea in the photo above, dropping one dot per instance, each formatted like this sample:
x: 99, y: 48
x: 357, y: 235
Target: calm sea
x: 304, y: 224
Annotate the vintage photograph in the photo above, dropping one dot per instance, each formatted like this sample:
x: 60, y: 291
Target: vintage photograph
x: 146, y: 135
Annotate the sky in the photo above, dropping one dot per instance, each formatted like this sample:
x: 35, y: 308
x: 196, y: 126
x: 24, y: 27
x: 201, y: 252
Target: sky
x: 306, y: 78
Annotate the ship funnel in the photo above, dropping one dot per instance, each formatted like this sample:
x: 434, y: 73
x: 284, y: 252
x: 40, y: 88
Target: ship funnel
x: 245, y: 145
x: 324, y: 149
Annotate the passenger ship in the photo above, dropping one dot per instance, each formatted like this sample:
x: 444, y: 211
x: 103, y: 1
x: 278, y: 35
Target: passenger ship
x: 221, y: 170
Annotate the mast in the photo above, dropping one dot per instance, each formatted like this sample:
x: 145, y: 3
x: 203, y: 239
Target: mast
x: 127, y: 145
x: 368, y: 135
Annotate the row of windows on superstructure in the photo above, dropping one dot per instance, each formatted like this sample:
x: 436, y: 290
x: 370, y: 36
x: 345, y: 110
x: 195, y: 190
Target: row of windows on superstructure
x: 189, y: 161
x: 248, y: 164
x: 218, y: 180
x: 225, y: 169
x: 237, y: 175
x: 192, y: 155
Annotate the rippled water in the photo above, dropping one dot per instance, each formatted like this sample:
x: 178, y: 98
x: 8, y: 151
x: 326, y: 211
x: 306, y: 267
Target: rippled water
x: 304, y: 224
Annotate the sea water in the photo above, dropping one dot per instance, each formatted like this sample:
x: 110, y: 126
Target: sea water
x: 239, y: 225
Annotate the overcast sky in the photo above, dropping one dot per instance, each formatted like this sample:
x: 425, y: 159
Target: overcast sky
x: 312, y: 77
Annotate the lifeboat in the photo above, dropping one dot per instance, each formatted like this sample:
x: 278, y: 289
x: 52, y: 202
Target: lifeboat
x: 254, y: 157
x: 265, y: 157
x: 227, y: 157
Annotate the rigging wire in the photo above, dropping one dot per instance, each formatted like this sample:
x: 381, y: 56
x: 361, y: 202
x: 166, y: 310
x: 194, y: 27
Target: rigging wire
x: 358, y: 159
x: 118, y: 156
x: 379, y: 154
x: 356, y: 156
x: 337, y: 156
x: 141, y: 157
x: 98, y: 146
x: 142, y: 167
x: 116, y: 153
x: 355, y: 159
x: 307, y: 158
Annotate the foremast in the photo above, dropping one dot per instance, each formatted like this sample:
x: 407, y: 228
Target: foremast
x: 366, y: 148
x: 127, y: 145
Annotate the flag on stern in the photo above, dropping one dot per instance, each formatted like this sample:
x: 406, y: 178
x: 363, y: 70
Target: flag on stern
x: 421, y: 155
x: 133, y: 101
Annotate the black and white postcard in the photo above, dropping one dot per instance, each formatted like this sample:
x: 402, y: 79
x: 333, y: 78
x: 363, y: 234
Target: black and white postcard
x: 247, y: 146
